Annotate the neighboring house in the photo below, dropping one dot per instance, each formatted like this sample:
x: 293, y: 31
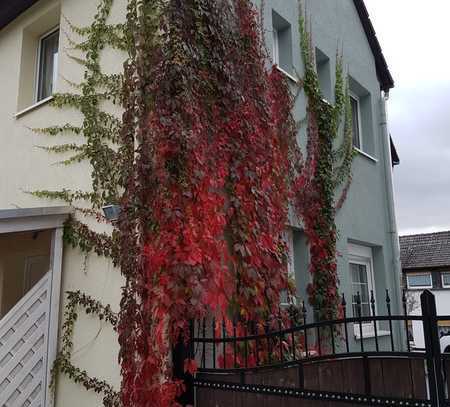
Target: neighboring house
x: 425, y: 262
x: 35, y: 268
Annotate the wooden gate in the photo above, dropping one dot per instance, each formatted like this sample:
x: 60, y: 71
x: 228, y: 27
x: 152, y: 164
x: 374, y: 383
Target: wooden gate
x: 394, y: 381
x: 329, y: 372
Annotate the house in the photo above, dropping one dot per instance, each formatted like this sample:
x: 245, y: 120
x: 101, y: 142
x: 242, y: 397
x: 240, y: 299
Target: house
x: 36, y: 269
x: 425, y: 260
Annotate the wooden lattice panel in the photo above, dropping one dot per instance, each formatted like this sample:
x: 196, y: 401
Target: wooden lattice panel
x: 23, y: 349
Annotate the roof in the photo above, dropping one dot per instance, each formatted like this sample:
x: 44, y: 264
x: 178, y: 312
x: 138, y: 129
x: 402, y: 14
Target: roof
x: 383, y: 73
x: 394, y: 155
x: 10, y: 9
x: 427, y: 250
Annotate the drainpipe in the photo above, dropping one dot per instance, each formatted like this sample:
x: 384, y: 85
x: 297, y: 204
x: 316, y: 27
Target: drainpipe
x: 396, y: 267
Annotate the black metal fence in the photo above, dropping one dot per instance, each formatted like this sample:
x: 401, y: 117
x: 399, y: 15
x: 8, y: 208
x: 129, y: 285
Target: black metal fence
x: 366, y: 341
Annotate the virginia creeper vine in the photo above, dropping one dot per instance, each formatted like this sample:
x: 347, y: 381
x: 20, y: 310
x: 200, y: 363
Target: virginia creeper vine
x: 204, y: 164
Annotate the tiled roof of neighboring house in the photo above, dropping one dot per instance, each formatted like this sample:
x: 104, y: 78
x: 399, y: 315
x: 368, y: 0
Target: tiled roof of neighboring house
x: 10, y: 9
x: 425, y: 250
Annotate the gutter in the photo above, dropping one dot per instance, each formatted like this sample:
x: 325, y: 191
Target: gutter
x: 392, y: 231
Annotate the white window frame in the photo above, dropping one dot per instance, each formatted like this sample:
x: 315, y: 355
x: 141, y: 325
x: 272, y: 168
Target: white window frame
x: 419, y: 287
x: 38, y: 65
x: 276, y: 47
x: 442, y: 279
x: 356, y: 98
x: 363, y: 255
x: 288, y: 237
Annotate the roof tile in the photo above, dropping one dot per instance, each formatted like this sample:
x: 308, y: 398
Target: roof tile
x: 425, y: 250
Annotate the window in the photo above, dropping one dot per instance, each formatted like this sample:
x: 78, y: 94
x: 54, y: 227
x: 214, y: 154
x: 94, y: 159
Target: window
x: 288, y: 237
x: 363, y: 284
x: 282, y: 43
x: 418, y: 281
x: 361, y: 274
x: 356, y: 121
x: 445, y: 280
x: 362, y: 109
x: 324, y: 74
x: 47, y: 67
x: 276, y: 48
x: 38, y: 59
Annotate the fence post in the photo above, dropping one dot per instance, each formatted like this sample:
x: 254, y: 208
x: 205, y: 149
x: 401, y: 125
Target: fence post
x: 180, y: 352
x: 432, y: 349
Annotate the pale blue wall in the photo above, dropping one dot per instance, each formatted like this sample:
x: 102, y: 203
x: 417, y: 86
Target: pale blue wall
x: 364, y: 219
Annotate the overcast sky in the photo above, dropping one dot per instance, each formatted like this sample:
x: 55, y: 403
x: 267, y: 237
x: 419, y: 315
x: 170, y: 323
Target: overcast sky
x: 415, y: 36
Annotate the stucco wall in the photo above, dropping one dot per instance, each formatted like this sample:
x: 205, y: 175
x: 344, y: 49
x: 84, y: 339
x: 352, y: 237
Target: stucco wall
x: 335, y: 27
x: 363, y: 219
x: 25, y: 167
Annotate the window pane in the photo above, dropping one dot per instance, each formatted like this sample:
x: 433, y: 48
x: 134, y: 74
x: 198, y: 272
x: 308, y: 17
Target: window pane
x: 355, y: 272
x: 355, y: 122
x: 363, y: 273
x: 419, y: 280
x: 364, y: 308
x: 446, y: 279
x: 48, y: 57
x: 364, y: 293
x: 360, y: 284
x: 276, y: 55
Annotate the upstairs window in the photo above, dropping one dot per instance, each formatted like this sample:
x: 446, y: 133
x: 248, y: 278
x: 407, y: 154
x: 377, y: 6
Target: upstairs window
x: 282, y: 43
x: 324, y: 74
x: 356, y: 121
x: 47, y: 67
x: 419, y: 281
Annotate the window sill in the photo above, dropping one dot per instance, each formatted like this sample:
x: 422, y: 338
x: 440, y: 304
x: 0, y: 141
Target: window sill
x: 371, y: 334
x: 422, y: 288
x: 33, y: 107
x: 291, y: 77
x: 368, y: 156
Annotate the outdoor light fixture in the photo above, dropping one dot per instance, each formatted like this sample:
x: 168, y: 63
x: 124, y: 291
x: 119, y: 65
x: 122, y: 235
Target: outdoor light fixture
x: 111, y: 212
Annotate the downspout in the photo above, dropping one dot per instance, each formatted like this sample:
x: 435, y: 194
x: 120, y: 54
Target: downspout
x: 396, y: 267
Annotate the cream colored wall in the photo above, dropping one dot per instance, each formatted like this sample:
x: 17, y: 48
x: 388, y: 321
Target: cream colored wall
x: 24, y: 168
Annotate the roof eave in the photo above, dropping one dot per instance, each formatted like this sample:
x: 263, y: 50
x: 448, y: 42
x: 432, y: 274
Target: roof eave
x: 10, y: 10
x: 384, y: 75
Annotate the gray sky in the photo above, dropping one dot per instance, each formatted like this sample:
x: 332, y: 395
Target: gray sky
x: 415, y: 39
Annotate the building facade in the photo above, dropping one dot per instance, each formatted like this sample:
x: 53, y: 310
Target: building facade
x: 35, y: 63
x: 425, y: 260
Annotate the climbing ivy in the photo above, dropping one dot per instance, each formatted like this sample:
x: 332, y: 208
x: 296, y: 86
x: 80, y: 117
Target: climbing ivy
x: 100, y: 132
x: 327, y: 170
x: 62, y: 362
x: 204, y: 164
